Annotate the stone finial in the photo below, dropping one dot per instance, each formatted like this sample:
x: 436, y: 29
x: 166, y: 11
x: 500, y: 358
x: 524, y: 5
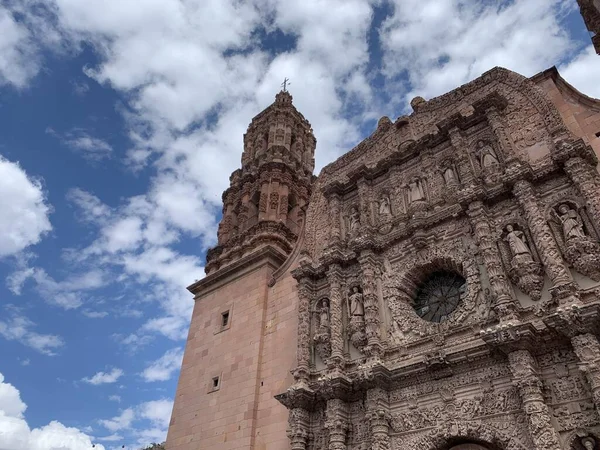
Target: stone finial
x: 417, y: 102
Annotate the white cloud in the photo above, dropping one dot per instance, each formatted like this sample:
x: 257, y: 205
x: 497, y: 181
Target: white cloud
x: 440, y: 45
x: 19, y: 328
x: 94, y: 314
x: 24, y: 218
x: 15, y: 433
x: 115, y: 398
x: 19, y: 61
x: 104, y: 377
x: 81, y: 141
x: 163, y: 368
x: 67, y: 294
x: 577, y: 72
x: 121, y: 422
x: 111, y: 438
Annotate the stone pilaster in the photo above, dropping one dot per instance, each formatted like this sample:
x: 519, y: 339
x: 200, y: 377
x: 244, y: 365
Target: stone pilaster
x: 303, y: 347
x: 364, y: 204
x: 369, y: 267
x: 299, y: 421
x: 587, y: 349
x: 378, y: 415
x: 336, y: 423
x: 334, y: 217
x: 587, y: 181
x: 334, y: 277
x: 504, y: 301
x: 554, y: 266
x: 525, y: 376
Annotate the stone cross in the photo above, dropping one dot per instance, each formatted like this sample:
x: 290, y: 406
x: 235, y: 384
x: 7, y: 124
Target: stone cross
x: 286, y: 82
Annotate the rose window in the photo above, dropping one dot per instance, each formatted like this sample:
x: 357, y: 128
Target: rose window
x: 439, y: 295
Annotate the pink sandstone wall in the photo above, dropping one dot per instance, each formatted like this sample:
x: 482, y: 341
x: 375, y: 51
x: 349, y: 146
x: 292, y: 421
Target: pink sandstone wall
x: 223, y: 419
x: 580, y: 113
x: 253, y: 357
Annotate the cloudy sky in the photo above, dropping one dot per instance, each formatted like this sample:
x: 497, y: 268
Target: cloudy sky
x: 120, y: 122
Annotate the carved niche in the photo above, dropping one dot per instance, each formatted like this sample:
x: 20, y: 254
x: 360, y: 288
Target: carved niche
x: 322, y: 329
x: 520, y: 256
x: 356, y: 318
x: 576, y: 236
x: 488, y: 160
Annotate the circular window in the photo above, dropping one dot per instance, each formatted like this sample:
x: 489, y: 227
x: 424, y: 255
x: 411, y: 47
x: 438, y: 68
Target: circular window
x: 439, y: 295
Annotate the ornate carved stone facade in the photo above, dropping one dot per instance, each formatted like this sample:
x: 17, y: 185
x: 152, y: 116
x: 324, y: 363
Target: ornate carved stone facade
x: 590, y: 10
x: 446, y: 282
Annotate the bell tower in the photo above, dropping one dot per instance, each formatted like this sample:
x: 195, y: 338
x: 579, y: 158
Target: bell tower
x: 265, y: 202
x: 237, y: 356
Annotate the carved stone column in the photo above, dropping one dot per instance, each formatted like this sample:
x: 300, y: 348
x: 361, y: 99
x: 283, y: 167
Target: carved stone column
x: 303, y: 347
x: 334, y: 217
x: 364, y: 203
x: 299, y: 421
x: 587, y: 181
x: 336, y: 423
x: 369, y: 267
x: 554, y: 265
x: 587, y: 349
x: 504, y: 301
x: 525, y: 376
x: 378, y: 415
x: 334, y: 277
x: 499, y: 129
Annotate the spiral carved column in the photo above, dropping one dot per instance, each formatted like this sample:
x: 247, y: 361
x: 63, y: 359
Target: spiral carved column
x: 587, y: 349
x: 298, y: 433
x: 504, y: 304
x: 336, y: 423
x: 378, y: 416
x: 369, y: 267
x: 587, y: 181
x: 334, y: 277
x: 303, y: 348
x: 525, y: 376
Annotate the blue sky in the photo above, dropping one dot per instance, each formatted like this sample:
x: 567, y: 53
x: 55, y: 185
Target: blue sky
x: 120, y: 122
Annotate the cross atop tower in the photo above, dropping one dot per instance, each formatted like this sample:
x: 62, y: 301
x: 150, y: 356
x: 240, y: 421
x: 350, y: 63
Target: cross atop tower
x: 286, y: 82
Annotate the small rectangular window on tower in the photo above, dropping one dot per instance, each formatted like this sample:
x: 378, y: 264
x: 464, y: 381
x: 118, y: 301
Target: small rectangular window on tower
x: 224, y: 319
x: 598, y: 134
x: 214, y: 384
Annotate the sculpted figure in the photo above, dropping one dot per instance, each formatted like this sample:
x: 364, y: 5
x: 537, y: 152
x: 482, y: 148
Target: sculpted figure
x: 356, y: 303
x: 570, y: 221
x: 487, y: 156
x: 415, y: 191
x: 324, y: 314
x: 384, y: 206
x: 354, y: 220
x: 449, y: 176
x: 516, y: 241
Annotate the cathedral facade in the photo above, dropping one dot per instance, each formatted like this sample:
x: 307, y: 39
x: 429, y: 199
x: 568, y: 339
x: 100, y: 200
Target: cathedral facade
x: 435, y: 288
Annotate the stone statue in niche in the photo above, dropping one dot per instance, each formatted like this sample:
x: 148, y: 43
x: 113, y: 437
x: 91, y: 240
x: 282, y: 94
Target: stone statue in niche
x: 571, y: 222
x: 516, y: 241
x: 356, y: 303
x: 415, y: 191
x: 385, y: 209
x: 487, y: 156
x: 322, y: 338
x: 524, y: 271
x: 324, y: 314
x: 579, y: 248
x: 354, y: 220
x: 356, y: 326
x: 450, y: 176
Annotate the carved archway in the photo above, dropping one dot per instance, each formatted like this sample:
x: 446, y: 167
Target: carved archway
x: 461, y: 435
